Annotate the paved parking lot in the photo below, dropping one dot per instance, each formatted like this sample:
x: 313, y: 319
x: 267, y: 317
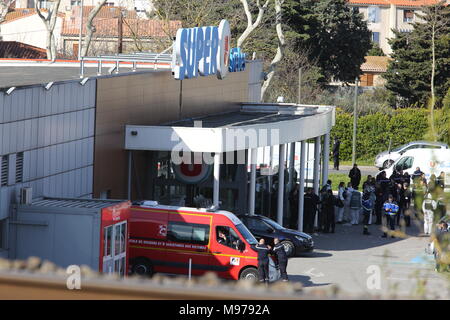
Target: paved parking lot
x: 347, y: 259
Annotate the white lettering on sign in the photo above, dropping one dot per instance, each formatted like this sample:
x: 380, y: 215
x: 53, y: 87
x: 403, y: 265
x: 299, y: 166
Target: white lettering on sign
x: 205, y: 51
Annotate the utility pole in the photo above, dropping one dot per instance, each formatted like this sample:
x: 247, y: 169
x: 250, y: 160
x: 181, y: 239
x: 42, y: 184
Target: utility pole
x: 81, y: 31
x: 299, y: 85
x: 355, y: 116
x: 120, y: 31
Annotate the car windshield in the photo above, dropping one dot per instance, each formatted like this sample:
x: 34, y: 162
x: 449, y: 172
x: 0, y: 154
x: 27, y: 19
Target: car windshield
x: 272, y: 223
x: 246, y: 234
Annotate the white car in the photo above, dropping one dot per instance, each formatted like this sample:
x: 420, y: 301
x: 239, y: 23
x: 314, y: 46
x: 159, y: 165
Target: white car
x: 386, y: 158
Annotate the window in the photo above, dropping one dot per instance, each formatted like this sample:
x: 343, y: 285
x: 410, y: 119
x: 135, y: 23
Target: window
x: 188, y: 233
x: 5, y: 171
x: 107, y: 241
x: 230, y: 235
x: 45, y: 4
x: 408, y: 15
x: 257, y: 225
x: 376, y: 37
x: 75, y: 3
x: 19, y: 167
x: 408, y: 163
x: 374, y: 14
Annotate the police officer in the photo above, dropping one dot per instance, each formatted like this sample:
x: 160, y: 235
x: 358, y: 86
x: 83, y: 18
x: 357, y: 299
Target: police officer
x: 390, y: 209
x: 281, y: 258
x: 263, y: 261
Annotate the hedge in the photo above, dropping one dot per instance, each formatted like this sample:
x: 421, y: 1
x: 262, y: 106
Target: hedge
x: 375, y: 130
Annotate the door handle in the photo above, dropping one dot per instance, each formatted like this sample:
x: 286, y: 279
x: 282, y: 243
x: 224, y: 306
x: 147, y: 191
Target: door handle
x: 217, y: 252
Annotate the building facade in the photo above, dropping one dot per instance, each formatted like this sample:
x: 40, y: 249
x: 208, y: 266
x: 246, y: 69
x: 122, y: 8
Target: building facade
x: 383, y: 16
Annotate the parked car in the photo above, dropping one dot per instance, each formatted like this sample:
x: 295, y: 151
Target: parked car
x: 295, y: 242
x: 386, y: 158
x: 429, y: 161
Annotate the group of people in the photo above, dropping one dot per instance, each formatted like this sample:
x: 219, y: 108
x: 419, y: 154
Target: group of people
x: 388, y: 201
x: 277, y: 251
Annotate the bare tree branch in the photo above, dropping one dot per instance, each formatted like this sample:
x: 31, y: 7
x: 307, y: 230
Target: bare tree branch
x: 250, y: 24
x: 280, y: 50
x: 90, y: 27
x: 50, y: 23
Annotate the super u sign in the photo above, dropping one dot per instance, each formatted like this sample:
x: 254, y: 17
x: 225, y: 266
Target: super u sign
x: 206, y: 51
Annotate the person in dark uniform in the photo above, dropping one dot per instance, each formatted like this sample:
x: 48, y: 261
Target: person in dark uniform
x: 336, y: 146
x: 282, y: 258
x: 355, y: 176
x: 310, y: 208
x: 263, y: 261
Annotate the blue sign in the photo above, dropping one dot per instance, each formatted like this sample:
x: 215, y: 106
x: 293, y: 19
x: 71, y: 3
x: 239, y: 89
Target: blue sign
x: 205, y: 51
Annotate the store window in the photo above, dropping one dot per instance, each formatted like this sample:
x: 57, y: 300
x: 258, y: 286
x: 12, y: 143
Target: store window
x: 408, y: 15
x: 374, y: 14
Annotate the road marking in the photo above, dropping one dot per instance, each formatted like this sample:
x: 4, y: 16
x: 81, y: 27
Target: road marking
x: 310, y: 273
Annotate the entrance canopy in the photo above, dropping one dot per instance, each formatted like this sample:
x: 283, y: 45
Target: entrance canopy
x: 253, y: 126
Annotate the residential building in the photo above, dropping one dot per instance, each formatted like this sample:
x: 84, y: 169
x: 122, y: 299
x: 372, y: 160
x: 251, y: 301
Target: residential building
x: 67, y: 5
x: 383, y: 16
x: 372, y: 69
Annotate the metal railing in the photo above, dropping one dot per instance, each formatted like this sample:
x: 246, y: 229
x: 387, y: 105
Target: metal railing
x: 143, y: 58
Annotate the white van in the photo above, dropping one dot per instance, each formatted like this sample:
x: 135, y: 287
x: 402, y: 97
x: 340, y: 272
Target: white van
x: 432, y: 161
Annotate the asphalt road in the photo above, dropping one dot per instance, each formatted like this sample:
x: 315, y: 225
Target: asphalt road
x: 346, y: 259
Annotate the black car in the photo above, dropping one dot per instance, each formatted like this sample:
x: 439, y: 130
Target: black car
x: 295, y: 242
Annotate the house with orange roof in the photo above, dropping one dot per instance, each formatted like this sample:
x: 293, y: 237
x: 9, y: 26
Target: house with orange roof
x: 138, y: 34
x: 384, y: 15
x: 24, y: 25
x: 372, y: 69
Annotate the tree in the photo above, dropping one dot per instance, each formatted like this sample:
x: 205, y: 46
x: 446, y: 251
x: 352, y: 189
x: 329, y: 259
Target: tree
x: 49, y: 20
x: 90, y: 27
x: 418, y: 72
x: 280, y: 50
x: 4, y: 8
x: 375, y: 50
x: 335, y: 34
x: 251, y: 25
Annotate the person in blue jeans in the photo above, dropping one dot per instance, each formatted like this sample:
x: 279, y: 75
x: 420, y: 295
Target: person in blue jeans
x: 390, y: 210
x: 367, y: 206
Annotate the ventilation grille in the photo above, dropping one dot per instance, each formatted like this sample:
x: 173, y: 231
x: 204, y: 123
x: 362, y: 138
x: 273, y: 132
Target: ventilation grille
x: 5, y: 171
x: 19, y: 167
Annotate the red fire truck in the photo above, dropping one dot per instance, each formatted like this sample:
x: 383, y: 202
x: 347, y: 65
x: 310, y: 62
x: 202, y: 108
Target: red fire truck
x: 173, y: 240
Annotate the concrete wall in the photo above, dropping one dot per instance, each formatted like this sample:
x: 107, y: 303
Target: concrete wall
x: 152, y: 99
x: 54, y: 129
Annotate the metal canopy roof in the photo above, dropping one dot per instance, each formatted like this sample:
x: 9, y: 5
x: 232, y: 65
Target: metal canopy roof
x: 254, y: 125
x: 74, y: 203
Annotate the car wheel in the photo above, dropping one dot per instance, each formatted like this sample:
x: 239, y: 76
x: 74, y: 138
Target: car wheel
x: 387, y: 164
x: 249, y: 274
x: 142, y: 267
x: 288, y: 247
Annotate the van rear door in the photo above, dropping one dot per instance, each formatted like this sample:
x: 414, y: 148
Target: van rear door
x: 188, y: 236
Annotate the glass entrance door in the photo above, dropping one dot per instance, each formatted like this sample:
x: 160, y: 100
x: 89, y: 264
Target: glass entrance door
x: 114, y: 251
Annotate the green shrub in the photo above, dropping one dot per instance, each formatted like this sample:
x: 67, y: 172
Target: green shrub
x: 375, y: 130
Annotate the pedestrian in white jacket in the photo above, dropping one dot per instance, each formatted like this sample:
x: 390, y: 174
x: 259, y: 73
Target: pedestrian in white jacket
x: 340, y: 211
x: 428, y: 207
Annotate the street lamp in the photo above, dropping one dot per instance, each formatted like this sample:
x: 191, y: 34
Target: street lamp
x: 81, y: 30
x: 355, y: 116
